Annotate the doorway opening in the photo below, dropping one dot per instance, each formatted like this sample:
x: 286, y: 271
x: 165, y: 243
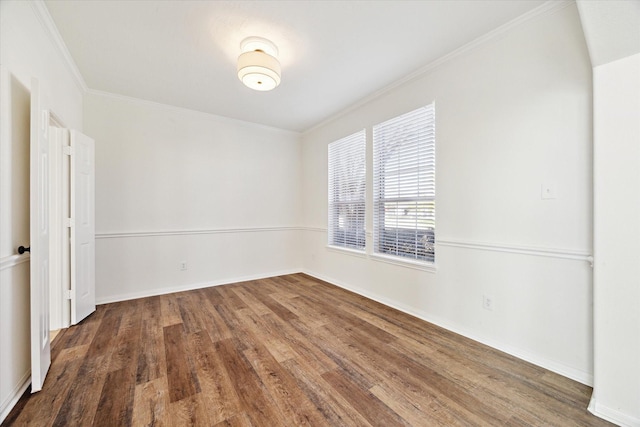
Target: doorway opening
x: 60, y: 241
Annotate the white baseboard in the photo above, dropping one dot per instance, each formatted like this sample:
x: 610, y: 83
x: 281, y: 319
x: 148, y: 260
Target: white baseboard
x: 15, y: 395
x: 191, y: 286
x: 554, y: 366
x: 612, y: 415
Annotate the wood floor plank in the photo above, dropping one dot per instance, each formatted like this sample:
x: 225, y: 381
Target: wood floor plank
x: 284, y: 351
x: 481, y: 377
x: 107, y: 331
x: 339, y: 352
x: 213, y: 295
x: 240, y: 420
x: 268, y: 286
x: 278, y: 309
x: 127, y: 343
x: 188, y: 306
x: 270, y: 294
x: 251, y: 301
x: 80, y: 334
x: 335, y: 409
x: 190, y: 411
x: 73, y: 353
x: 306, y: 312
x: 115, y: 401
x: 255, y: 399
x: 344, y: 317
x: 296, y: 407
x: 181, y: 375
x: 414, y: 414
x: 170, y: 310
x: 394, y: 367
x: 151, y: 362
x: 277, y: 346
x: 46, y: 405
x: 241, y: 334
x: 151, y: 404
x: 369, y: 406
x: 214, y: 324
x: 308, y: 350
x: 222, y: 398
x: 81, y: 401
x: 230, y: 298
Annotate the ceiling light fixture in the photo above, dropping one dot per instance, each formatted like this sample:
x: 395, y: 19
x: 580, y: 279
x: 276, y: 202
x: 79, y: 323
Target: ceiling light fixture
x: 258, y: 65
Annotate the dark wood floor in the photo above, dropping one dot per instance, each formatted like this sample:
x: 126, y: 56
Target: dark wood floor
x: 286, y: 351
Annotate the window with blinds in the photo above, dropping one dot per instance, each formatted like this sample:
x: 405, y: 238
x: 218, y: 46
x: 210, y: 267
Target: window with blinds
x: 404, y: 192
x: 347, y: 158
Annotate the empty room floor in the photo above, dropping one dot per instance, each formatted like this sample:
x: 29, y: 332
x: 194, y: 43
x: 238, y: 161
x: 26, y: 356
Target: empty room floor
x: 286, y: 351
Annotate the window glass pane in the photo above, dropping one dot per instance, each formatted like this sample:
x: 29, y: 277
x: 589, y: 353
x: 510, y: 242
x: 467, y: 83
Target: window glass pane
x: 347, y: 191
x: 404, y: 185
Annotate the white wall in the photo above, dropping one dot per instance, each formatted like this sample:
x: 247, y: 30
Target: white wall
x: 26, y: 51
x: 617, y: 241
x: 174, y: 185
x: 512, y: 114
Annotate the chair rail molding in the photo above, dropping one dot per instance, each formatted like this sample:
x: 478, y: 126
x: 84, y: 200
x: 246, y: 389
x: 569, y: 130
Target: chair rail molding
x: 518, y: 249
x: 156, y: 233
x: 13, y: 260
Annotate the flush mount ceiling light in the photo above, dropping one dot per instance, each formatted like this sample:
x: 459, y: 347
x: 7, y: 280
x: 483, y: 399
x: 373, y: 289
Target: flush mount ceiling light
x: 258, y: 66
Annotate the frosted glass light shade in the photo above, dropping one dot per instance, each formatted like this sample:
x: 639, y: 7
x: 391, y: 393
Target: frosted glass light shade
x: 258, y: 67
x: 258, y: 70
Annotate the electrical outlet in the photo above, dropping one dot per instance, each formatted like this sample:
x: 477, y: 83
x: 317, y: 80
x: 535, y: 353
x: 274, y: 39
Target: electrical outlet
x: 487, y: 302
x: 183, y: 265
x: 548, y: 191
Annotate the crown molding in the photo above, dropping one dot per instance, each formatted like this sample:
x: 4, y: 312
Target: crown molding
x: 547, y: 8
x: 51, y: 30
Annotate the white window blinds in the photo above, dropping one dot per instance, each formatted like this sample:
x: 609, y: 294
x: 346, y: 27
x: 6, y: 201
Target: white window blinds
x: 347, y: 177
x: 404, y: 191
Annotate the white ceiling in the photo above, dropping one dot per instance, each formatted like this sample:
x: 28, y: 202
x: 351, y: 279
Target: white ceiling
x: 611, y: 28
x: 333, y: 53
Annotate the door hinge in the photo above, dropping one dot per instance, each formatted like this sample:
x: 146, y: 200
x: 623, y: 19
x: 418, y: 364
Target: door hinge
x: 69, y: 294
x: 67, y: 150
x: 69, y: 222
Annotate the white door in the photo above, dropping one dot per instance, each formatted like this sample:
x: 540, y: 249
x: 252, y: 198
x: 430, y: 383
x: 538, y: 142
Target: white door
x: 83, y: 293
x: 39, y: 241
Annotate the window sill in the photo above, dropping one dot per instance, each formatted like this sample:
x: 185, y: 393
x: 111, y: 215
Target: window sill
x: 417, y: 265
x: 347, y: 251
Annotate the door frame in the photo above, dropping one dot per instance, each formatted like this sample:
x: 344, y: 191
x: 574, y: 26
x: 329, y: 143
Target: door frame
x: 59, y: 179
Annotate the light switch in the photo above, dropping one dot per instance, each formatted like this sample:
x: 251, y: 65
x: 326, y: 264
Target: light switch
x: 548, y: 191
